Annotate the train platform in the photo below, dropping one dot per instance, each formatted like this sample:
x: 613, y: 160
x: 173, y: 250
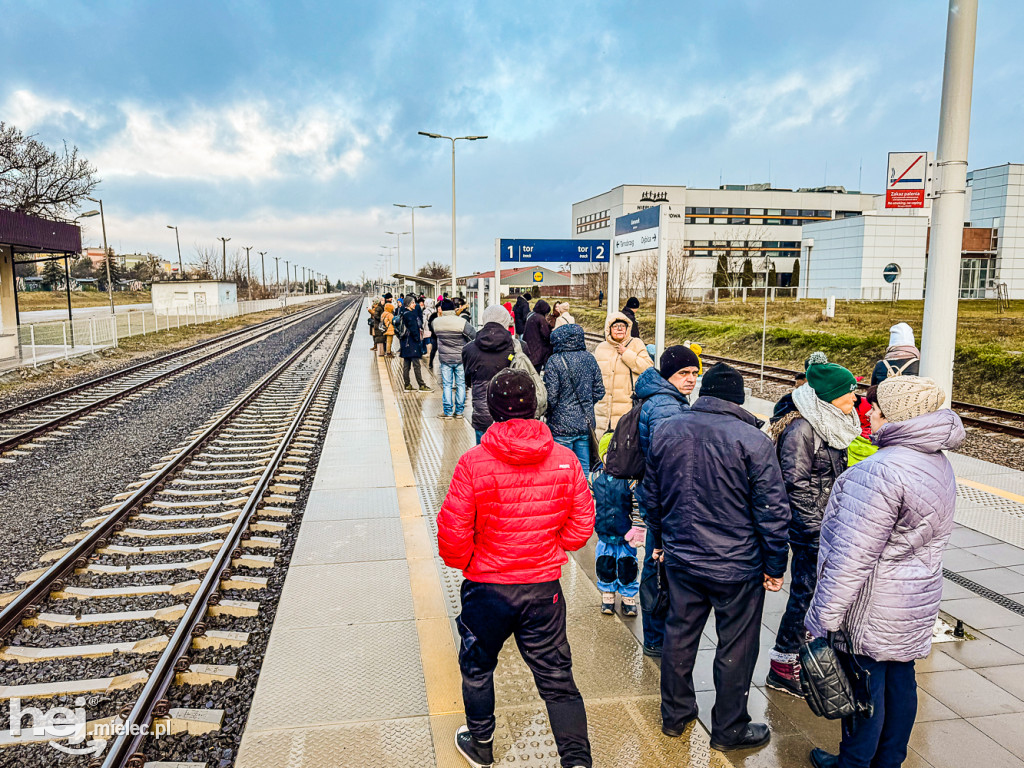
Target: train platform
x: 361, y: 667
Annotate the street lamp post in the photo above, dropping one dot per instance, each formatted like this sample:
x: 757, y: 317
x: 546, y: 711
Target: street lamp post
x: 452, y: 139
x: 224, y: 257
x: 398, y: 248
x: 106, y: 251
x: 287, y: 283
x: 277, y: 273
x: 248, y: 270
x: 263, y: 270
x: 412, y: 210
x: 181, y: 267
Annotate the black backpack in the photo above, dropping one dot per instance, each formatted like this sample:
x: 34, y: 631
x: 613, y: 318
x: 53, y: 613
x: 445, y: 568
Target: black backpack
x: 398, y: 323
x: 624, y: 459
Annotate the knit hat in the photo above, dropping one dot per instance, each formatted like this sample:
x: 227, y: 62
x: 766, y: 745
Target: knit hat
x: 447, y: 306
x: 901, y: 335
x: 724, y: 382
x: 511, y: 395
x: 632, y: 303
x: 388, y: 296
x: 675, y: 359
x: 496, y: 314
x: 904, y: 397
x: 815, y: 358
x: 602, y: 446
x: 830, y: 381
x: 527, y: 296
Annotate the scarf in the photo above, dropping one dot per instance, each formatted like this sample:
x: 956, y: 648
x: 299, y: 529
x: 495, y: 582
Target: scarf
x: 902, y: 352
x: 836, y: 428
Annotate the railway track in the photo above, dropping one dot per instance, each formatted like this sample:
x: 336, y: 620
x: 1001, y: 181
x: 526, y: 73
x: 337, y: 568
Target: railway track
x: 164, y: 572
x: 44, y: 418
x: 973, y: 415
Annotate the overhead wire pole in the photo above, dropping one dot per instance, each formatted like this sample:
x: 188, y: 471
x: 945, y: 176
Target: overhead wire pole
x: 106, y: 252
x: 412, y: 210
x: 452, y: 139
x: 938, y: 331
x: 398, y: 248
x: 263, y: 270
x: 248, y: 270
x: 224, y: 257
x: 181, y: 267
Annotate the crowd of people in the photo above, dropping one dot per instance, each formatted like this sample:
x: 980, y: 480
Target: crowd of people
x: 851, y: 495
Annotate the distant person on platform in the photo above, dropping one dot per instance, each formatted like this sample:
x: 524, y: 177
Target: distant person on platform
x: 632, y: 304
x: 562, y: 317
x: 452, y: 332
x: 600, y: 298
x: 521, y: 311
x: 902, y: 357
x: 516, y: 504
x: 537, y: 334
x: 716, y: 507
x: 410, y: 344
x: 491, y: 351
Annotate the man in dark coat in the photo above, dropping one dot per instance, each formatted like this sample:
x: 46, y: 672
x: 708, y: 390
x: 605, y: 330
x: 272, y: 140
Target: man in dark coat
x: 718, y: 513
x: 520, y: 312
x: 409, y: 343
x: 490, y: 352
x: 632, y: 304
x: 537, y: 334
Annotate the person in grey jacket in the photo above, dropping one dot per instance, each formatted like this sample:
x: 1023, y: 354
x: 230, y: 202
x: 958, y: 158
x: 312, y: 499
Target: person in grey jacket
x: 452, y: 331
x: 574, y: 384
x: 880, y: 567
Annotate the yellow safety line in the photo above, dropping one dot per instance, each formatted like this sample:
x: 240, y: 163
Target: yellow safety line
x: 437, y: 644
x: 990, y: 489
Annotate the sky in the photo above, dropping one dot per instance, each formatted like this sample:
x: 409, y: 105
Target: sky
x: 292, y: 126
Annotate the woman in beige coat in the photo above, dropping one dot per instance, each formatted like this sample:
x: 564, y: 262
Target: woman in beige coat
x: 563, y: 317
x: 622, y: 358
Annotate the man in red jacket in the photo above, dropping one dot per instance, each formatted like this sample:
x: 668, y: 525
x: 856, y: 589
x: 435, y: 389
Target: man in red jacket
x: 516, y: 504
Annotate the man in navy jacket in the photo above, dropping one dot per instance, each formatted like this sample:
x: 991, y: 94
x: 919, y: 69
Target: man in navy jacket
x: 718, y: 514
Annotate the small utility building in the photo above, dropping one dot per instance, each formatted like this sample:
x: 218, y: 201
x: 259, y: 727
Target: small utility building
x: 198, y: 296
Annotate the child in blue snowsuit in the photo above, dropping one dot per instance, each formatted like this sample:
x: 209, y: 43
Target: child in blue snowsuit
x: 617, y: 568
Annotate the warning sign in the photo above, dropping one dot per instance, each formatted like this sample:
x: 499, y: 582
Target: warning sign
x: 907, y: 180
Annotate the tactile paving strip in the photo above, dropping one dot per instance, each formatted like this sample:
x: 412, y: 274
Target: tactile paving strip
x: 389, y: 744
x: 990, y: 514
x: 373, y: 673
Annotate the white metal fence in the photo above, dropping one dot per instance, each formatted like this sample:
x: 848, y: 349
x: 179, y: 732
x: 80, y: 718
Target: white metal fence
x: 62, y: 339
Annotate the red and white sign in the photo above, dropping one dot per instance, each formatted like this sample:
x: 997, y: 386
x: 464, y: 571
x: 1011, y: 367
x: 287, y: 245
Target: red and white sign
x: 906, y: 180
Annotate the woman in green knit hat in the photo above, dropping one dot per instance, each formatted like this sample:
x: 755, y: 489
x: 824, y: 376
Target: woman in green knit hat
x: 811, y: 433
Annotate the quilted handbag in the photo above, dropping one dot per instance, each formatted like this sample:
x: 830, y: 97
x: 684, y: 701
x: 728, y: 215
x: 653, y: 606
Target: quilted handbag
x: 829, y: 690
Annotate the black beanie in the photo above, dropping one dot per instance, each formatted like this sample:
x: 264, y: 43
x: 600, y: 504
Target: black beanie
x: 675, y: 359
x: 388, y: 296
x: 511, y: 395
x: 724, y: 382
x: 528, y: 297
x: 447, y: 305
x: 632, y: 303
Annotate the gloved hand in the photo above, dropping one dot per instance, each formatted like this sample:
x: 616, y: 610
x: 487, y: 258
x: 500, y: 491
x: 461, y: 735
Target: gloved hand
x: 636, y: 536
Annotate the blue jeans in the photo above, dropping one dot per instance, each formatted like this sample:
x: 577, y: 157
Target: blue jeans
x: 479, y: 435
x: 654, y: 629
x: 448, y: 373
x: 881, y: 741
x: 803, y: 580
x: 617, y: 569
x: 578, y: 444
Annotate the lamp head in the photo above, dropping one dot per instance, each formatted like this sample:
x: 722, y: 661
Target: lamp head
x: 430, y: 135
x: 87, y: 214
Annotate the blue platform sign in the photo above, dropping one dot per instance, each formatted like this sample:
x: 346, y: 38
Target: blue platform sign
x: 634, y: 222
x: 638, y: 231
x: 558, y: 251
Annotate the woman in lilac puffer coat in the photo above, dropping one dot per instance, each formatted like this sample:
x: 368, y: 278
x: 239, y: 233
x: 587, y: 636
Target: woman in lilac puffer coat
x: 880, y: 565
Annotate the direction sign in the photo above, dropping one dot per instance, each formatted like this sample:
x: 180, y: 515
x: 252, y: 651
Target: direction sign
x: 907, y: 180
x: 638, y: 231
x: 559, y: 251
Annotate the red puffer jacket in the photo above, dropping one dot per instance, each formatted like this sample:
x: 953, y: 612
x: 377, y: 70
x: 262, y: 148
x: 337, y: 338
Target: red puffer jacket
x: 516, y: 504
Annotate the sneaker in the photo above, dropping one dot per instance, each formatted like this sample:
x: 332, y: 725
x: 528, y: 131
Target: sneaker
x: 654, y: 651
x: 444, y: 416
x: 785, y: 676
x: 457, y: 416
x: 608, y: 603
x: 629, y: 607
x: 425, y: 388
x: 675, y: 733
x: 822, y: 759
x: 478, y: 754
x: 408, y: 388
x: 754, y: 735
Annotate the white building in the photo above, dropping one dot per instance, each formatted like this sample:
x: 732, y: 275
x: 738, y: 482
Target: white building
x: 196, y: 296
x: 996, y: 201
x: 734, y: 222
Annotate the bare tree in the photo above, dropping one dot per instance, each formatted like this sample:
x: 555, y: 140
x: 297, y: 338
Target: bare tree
x: 206, y: 262
x: 434, y: 270
x: 37, y: 180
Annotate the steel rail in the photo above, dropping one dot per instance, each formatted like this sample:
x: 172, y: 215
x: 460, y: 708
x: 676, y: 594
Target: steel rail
x: 8, y: 443
x: 124, y: 751
x: 25, y: 603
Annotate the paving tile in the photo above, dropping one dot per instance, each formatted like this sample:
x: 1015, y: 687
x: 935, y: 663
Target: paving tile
x: 953, y: 591
x: 981, y: 613
x: 1011, y: 637
x: 982, y: 652
x: 1010, y: 678
x: 962, y: 561
x: 346, y: 593
x: 349, y: 541
x: 819, y: 731
x: 761, y: 710
x: 967, y: 537
x: 969, y: 694
x: 937, y: 661
x: 1001, y: 580
x: 1007, y: 730
x: 782, y: 750
x: 1002, y: 554
x: 958, y: 744
x: 929, y: 708
x: 351, y: 504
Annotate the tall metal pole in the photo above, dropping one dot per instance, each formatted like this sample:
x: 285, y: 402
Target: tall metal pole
x: 938, y: 332
x: 287, y: 282
x: 277, y: 273
x: 263, y: 270
x: 177, y: 239
x: 764, y: 320
x: 224, y: 257
x: 106, y: 252
x: 412, y: 210
x: 67, y: 290
x: 455, y: 274
x: 248, y: 270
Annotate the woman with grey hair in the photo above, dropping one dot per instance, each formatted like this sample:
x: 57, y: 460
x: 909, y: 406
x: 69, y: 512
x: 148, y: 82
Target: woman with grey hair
x: 880, y: 567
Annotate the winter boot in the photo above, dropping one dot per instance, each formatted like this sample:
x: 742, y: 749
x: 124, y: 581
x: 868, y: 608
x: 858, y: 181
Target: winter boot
x: 608, y: 603
x: 478, y: 754
x: 784, y: 674
x: 629, y: 607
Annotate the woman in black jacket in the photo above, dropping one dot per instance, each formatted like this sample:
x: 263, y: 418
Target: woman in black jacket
x: 490, y: 352
x: 812, y: 428
x: 537, y: 334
